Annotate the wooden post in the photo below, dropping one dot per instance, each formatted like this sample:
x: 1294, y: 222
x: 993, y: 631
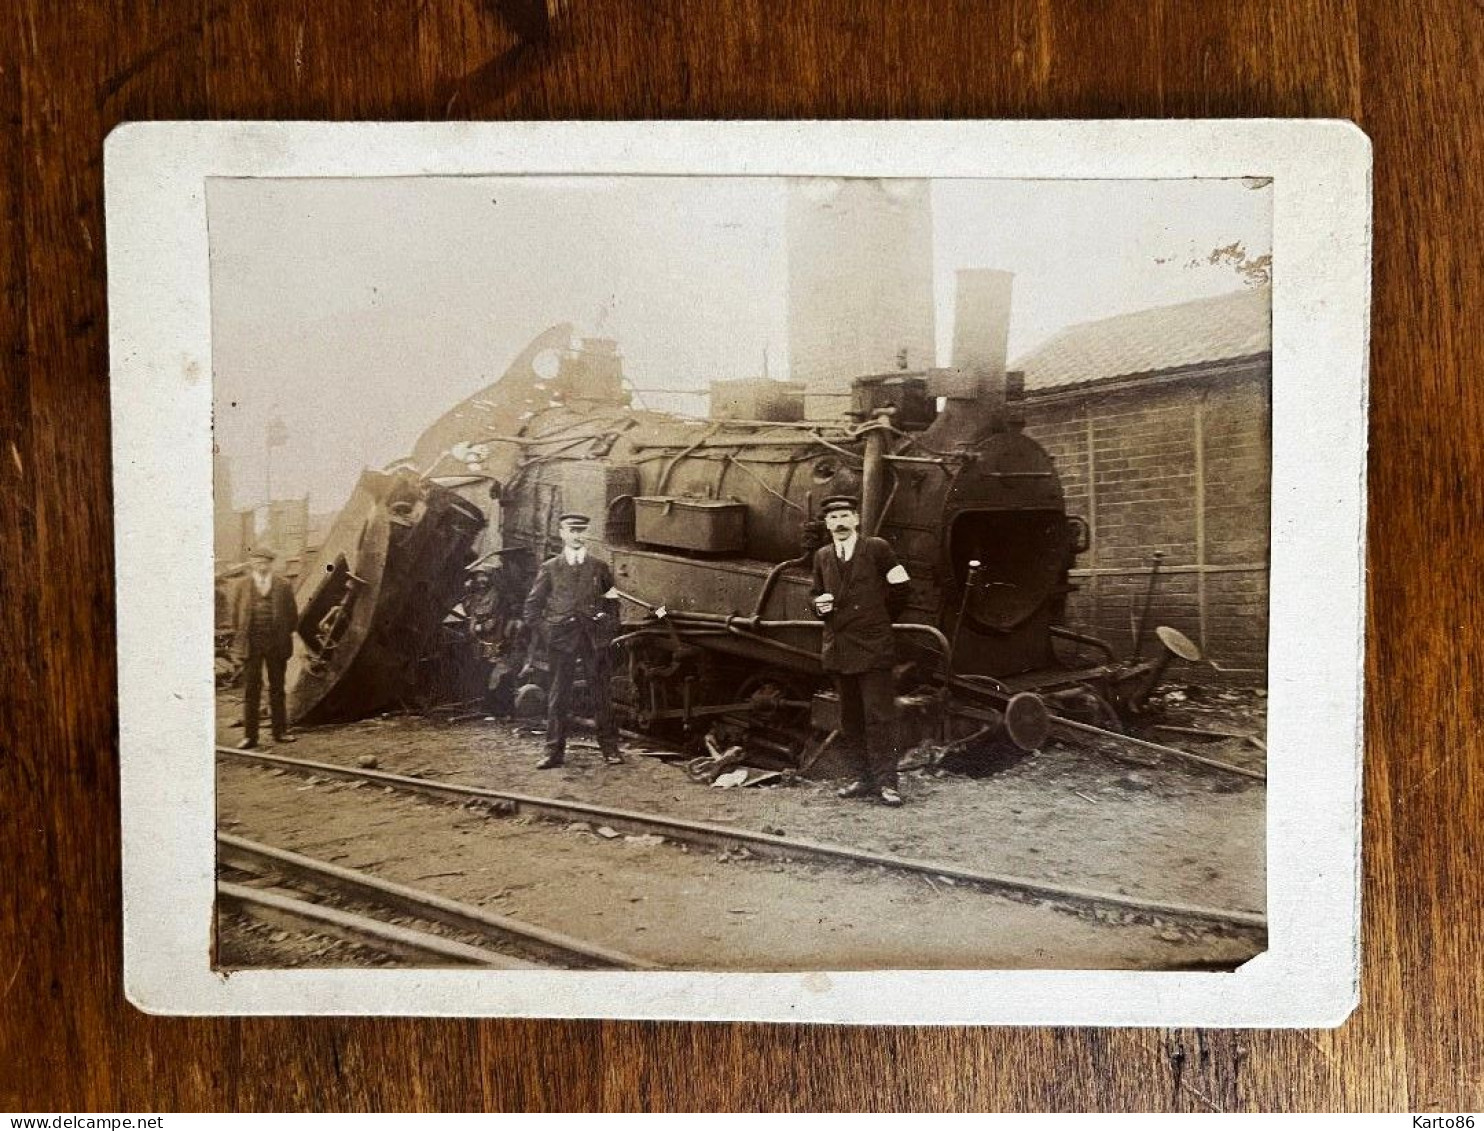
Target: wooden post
x: 1092, y: 521
x: 1200, y: 518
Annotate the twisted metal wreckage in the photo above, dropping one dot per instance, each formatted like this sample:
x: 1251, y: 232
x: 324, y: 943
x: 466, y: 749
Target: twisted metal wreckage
x: 709, y: 526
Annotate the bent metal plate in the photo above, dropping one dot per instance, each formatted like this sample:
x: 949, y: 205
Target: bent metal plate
x: 1079, y: 639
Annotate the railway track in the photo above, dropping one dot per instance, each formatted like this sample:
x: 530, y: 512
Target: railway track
x: 311, y: 880
x: 767, y: 845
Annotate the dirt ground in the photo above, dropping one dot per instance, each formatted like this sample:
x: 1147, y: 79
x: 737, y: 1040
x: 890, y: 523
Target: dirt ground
x: 676, y: 905
x: 1069, y: 815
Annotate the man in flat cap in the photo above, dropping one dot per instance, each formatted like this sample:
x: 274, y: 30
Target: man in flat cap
x: 575, y: 598
x: 264, y: 616
x: 859, y: 588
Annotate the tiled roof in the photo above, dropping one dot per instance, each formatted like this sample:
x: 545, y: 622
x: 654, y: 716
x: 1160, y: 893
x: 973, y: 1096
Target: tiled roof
x: 1149, y: 341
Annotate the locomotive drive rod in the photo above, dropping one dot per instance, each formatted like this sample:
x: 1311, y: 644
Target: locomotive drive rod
x: 1158, y: 748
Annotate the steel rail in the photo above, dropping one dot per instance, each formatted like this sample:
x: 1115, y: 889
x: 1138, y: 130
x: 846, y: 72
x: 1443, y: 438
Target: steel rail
x: 1157, y: 748
x: 764, y: 844
x: 402, y: 941
x: 239, y: 851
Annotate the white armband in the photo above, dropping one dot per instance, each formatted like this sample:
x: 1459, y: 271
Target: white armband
x: 897, y: 576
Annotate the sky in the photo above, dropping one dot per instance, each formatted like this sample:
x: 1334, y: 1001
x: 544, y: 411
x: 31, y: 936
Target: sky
x: 359, y: 310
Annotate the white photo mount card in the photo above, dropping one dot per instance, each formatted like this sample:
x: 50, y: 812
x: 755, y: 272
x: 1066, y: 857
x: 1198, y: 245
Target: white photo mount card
x: 855, y: 572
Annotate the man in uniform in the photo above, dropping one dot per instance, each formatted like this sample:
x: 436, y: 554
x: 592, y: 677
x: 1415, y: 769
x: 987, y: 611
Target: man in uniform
x: 263, y: 618
x: 859, y: 588
x: 575, y: 598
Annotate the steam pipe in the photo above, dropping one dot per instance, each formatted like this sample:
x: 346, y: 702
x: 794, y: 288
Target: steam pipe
x: 872, y: 474
x: 1102, y: 646
x: 772, y: 579
x: 680, y: 617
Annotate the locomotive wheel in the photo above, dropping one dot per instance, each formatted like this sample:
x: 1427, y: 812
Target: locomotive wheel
x: 772, y: 697
x: 530, y: 701
x: 1027, y: 721
x: 778, y: 714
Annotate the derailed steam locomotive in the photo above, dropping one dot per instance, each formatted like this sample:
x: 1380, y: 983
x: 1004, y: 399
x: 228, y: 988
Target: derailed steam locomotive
x: 709, y: 526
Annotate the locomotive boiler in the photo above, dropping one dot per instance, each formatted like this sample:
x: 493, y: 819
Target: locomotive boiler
x: 709, y: 525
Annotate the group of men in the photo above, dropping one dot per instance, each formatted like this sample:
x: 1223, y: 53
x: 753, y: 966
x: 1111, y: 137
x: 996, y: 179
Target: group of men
x: 859, y: 588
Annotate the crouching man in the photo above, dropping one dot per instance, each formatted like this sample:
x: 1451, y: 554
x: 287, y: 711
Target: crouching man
x: 859, y: 588
x: 575, y: 597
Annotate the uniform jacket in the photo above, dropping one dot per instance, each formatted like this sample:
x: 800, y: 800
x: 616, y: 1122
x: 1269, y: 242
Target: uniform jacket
x: 857, y: 633
x: 573, y: 602
x: 285, y: 617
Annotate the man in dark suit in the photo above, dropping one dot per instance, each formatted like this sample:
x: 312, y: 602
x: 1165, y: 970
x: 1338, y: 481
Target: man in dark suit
x: 263, y: 617
x: 575, y: 598
x: 859, y: 588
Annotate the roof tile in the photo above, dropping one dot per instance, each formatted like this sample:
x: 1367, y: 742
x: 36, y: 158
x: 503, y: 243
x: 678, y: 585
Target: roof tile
x: 1149, y: 341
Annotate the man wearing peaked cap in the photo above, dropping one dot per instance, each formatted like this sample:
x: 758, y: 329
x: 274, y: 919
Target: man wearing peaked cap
x: 263, y: 616
x: 859, y: 589
x: 575, y: 598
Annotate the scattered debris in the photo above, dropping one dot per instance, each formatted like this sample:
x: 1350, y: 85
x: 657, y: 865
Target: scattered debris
x: 645, y: 839
x: 607, y: 833
x: 730, y: 780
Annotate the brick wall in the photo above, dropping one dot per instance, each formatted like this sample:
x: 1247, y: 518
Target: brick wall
x: 1179, y: 466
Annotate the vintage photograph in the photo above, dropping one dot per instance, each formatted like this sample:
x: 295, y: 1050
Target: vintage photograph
x: 724, y: 573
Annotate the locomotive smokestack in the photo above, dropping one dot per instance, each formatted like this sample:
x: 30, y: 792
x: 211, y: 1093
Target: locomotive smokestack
x: 981, y: 335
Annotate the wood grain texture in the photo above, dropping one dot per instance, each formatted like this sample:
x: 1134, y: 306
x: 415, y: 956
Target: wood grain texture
x: 1410, y: 73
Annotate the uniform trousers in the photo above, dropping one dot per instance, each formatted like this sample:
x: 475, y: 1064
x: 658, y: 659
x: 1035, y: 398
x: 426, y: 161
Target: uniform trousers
x: 252, y: 693
x: 868, y: 718
x: 562, y: 667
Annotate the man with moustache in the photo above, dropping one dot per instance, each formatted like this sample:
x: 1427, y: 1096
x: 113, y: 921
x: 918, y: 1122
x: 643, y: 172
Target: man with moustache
x: 575, y: 598
x: 263, y: 616
x: 859, y: 588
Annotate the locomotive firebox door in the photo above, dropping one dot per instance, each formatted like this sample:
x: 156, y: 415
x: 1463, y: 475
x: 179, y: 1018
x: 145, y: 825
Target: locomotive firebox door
x: 1022, y: 555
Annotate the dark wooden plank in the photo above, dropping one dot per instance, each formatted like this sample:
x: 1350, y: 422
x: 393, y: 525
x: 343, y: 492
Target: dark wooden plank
x: 1411, y: 73
x: 1425, y: 789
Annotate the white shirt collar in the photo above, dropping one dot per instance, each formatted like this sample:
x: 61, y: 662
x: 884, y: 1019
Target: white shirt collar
x: 846, y: 550
x: 574, y: 557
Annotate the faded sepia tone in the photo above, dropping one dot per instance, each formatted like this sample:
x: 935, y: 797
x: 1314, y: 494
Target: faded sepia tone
x: 1048, y: 400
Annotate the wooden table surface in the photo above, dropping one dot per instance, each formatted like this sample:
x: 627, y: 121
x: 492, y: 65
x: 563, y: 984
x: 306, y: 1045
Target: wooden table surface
x: 1411, y: 73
